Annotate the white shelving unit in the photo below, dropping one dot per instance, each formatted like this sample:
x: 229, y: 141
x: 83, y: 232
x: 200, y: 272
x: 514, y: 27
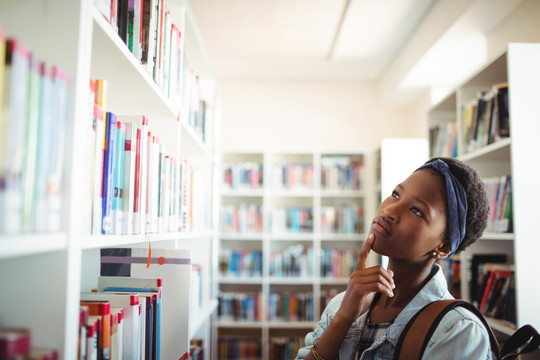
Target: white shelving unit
x: 270, y: 196
x: 516, y: 155
x: 43, y: 274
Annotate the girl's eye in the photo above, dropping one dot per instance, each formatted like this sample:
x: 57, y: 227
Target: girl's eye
x: 417, y: 212
x: 395, y: 194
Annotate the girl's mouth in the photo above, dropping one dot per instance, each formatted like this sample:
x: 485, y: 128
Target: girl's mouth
x: 381, y: 226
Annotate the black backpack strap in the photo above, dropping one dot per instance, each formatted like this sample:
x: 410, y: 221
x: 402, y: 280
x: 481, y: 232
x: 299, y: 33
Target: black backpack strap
x: 525, y: 335
x: 423, y: 324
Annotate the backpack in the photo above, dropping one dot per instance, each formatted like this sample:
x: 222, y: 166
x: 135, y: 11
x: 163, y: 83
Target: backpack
x: 416, y: 334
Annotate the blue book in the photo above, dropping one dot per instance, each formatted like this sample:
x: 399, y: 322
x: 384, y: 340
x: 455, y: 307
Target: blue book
x: 118, y: 169
x: 108, y: 176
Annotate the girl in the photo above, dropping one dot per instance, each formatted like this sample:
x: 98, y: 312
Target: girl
x: 439, y: 210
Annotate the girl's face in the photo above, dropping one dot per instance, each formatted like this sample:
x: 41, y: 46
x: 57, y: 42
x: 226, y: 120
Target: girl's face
x: 411, y: 222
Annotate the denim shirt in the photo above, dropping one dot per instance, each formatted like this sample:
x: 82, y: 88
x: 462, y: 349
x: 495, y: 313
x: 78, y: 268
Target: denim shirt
x: 460, y: 334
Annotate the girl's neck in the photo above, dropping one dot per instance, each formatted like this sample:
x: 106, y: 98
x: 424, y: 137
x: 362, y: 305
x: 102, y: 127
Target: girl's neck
x: 409, y: 280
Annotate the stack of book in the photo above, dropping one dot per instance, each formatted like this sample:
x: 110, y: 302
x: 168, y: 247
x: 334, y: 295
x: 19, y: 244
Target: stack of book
x: 243, y: 175
x: 134, y: 186
x: 290, y: 306
x: 234, y: 347
x: 295, y: 261
x: 240, y: 307
x: 337, y: 263
x: 500, y: 197
x: 485, y: 119
x: 285, y: 347
x: 292, y: 219
x: 343, y: 219
x: 148, y: 30
x: 293, y: 176
x: 16, y: 343
x: 443, y: 140
x: 341, y: 172
x: 140, y: 308
x: 240, y: 263
x: 33, y: 106
x: 242, y: 218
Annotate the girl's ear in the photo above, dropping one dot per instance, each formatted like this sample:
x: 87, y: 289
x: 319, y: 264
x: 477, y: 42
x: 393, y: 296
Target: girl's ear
x: 443, y: 250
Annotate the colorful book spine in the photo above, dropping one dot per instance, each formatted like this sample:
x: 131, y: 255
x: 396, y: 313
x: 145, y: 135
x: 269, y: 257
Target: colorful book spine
x: 108, y: 174
x: 118, y: 177
x: 97, y: 191
x: 128, y: 194
x: 17, y: 70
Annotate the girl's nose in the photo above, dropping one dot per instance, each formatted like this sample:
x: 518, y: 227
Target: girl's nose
x: 390, y: 213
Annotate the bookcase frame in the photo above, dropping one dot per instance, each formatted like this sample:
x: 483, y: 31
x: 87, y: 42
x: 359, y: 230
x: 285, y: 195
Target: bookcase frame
x: 517, y: 65
x: 265, y: 240
x: 42, y: 275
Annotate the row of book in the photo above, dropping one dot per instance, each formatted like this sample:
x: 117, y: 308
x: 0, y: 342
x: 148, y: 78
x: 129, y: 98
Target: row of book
x: 485, y: 119
x: 337, y: 263
x: 153, y: 293
x: 491, y: 286
x: 33, y: 110
x: 294, y: 261
x: 496, y: 294
x: 16, y: 343
x: 243, y: 175
x: 452, y: 270
x: 326, y: 296
x: 280, y: 348
x: 443, y: 140
x: 196, y: 349
x: 282, y: 306
x: 293, y: 176
x: 290, y: 306
x: 240, y: 307
x: 292, y: 219
x: 342, y: 219
x: 243, y: 218
x: 240, y: 263
x: 148, y: 30
x: 500, y: 210
x: 238, y: 347
x: 341, y: 173
x: 134, y: 187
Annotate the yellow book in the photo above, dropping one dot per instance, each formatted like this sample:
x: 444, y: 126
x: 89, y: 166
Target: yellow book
x: 101, y: 94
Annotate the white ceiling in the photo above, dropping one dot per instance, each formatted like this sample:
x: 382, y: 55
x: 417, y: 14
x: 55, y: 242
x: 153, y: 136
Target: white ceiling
x: 306, y: 38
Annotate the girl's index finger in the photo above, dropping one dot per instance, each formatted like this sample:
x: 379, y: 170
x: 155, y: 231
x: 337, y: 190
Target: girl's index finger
x: 361, y: 263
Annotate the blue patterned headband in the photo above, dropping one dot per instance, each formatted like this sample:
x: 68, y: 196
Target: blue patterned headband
x: 457, y: 203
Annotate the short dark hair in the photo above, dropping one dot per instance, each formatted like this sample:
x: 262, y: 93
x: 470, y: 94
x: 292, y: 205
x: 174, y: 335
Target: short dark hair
x: 477, y: 200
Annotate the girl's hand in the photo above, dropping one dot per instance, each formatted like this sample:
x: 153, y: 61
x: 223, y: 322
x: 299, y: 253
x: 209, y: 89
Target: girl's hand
x: 363, y: 283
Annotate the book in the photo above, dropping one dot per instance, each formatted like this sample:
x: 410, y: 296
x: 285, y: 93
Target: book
x: 46, y: 136
x: 128, y: 191
x: 98, y: 125
x: 118, y: 177
x: 139, y: 285
x: 31, y: 146
x: 15, y: 343
x: 108, y: 174
x: 12, y: 153
x: 474, y: 273
x: 141, y: 170
x: 174, y: 267
x: 93, y: 338
x: 131, y: 318
x: 103, y: 310
x: 117, y: 350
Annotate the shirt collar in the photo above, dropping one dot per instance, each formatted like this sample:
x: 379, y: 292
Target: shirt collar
x: 435, y: 289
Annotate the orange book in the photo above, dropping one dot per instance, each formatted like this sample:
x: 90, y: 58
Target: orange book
x: 103, y: 309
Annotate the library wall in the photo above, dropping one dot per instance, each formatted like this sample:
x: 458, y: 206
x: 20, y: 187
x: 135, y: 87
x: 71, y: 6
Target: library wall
x: 305, y: 113
x: 521, y: 25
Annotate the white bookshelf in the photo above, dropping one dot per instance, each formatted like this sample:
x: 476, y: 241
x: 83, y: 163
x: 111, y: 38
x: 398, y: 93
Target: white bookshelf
x: 45, y: 273
x: 515, y: 155
x: 270, y: 241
